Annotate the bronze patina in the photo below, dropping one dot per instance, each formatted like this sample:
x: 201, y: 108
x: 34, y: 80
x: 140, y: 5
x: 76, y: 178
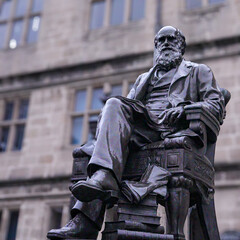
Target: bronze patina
x: 158, y: 141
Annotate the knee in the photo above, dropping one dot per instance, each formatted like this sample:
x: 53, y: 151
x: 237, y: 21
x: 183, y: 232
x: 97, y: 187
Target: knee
x: 113, y: 103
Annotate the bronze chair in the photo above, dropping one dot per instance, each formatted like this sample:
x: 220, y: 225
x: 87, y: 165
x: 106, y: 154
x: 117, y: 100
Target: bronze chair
x: 191, y: 184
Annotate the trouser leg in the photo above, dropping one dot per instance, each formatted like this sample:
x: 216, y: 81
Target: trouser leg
x: 94, y: 210
x: 114, y: 131
x: 117, y: 126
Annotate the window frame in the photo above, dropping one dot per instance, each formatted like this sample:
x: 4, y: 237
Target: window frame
x: 213, y: 4
x: 13, y: 122
x: 26, y: 18
x: 50, y: 204
x: 9, y: 222
x: 114, y: 21
x: 204, y: 5
x: 88, y: 111
x: 108, y: 12
x: 91, y: 14
x: 131, y: 19
x: 6, y: 215
x: 52, y: 209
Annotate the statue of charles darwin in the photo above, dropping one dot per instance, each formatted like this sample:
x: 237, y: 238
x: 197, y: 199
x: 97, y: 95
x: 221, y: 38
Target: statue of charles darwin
x: 153, y: 110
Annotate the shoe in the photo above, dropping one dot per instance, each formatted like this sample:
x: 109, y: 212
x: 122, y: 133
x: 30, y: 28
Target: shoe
x: 102, y: 185
x: 80, y: 227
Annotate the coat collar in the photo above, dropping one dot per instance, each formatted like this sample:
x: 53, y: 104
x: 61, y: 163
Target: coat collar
x: 182, y: 71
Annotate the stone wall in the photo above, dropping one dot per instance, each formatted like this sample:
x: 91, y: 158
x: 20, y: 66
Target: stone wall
x: 68, y: 56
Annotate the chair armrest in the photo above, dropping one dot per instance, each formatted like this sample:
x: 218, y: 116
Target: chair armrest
x: 196, y: 112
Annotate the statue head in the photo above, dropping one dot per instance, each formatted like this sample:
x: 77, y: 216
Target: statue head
x: 169, y: 47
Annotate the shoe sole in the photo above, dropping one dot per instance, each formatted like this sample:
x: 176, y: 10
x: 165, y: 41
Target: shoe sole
x: 54, y: 236
x: 86, y: 193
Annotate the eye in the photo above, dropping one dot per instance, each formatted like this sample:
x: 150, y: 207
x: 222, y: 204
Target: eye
x: 161, y: 40
x: 172, y: 39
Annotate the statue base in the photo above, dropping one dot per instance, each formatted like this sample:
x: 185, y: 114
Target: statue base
x: 136, y: 222
x: 120, y: 234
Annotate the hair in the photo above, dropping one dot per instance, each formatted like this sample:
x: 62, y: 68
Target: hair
x: 179, y: 36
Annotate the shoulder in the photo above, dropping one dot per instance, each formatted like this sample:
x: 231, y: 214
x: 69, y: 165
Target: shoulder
x: 198, y: 66
x: 141, y: 77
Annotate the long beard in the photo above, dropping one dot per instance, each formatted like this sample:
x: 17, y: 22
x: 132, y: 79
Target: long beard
x: 168, y: 59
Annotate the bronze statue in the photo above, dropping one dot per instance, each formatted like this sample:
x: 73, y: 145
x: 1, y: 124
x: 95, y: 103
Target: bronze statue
x: 154, y: 110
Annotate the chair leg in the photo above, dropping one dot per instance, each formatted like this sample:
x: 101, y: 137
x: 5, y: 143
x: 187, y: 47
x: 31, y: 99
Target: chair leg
x: 203, y: 222
x: 177, y: 205
x: 195, y: 226
x: 208, y: 219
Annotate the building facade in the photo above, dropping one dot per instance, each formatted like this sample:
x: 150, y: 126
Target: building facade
x: 58, y: 58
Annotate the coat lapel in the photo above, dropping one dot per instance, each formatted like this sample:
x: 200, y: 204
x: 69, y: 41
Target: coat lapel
x: 183, y: 70
x: 142, y: 87
x: 178, y: 80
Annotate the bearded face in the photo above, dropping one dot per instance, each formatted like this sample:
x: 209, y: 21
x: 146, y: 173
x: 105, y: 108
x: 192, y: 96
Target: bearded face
x: 168, y: 51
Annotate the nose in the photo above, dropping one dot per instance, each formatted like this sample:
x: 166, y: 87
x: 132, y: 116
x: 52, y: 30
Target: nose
x: 166, y: 41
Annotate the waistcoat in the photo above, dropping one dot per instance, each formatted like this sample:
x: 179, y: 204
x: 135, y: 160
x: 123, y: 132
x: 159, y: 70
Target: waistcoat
x: 156, y: 99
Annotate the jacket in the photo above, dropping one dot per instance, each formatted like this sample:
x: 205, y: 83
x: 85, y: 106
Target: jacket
x: 192, y: 84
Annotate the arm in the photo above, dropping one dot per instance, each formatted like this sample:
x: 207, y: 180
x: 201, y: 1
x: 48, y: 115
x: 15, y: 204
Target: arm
x: 132, y: 92
x: 211, y: 107
x: 210, y: 96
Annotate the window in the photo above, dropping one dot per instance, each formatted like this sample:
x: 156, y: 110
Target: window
x: 93, y: 119
x: 137, y: 10
x: 19, y: 137
x: 130, y: 86
x: 33, y: 28
x: 56, y: 217
x: 8, y: 111
x: 116, y: 90
x: 37, y: 6
x: 5, y: 9
x: 216, y: 1
x: 16, y: 34
x: 23, y: 109
x: 13, y: 124
x: 87, y: 106
x: 0, y: 219
x: 119, y: 12
x: 3, y: 27
x: 97, y: 14
x: 14, y: 16
x: 12, y: 226
x: 97, y: 96
x: 4, y: 138
x: 194, y: 4
x: 77, y: 130
x: 21, y: 8
x: 191, y: 4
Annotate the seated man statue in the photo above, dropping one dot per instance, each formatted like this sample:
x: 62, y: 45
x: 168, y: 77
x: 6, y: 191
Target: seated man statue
x: 152, y: 111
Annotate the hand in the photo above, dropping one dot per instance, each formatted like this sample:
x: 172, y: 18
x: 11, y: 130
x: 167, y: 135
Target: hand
x: 173, y: 115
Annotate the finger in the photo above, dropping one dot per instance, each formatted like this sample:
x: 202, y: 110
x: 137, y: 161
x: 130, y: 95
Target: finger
x: 177, y: 118
x: 169, y: 113
x: 173, y: 117
x: 180, y: 115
